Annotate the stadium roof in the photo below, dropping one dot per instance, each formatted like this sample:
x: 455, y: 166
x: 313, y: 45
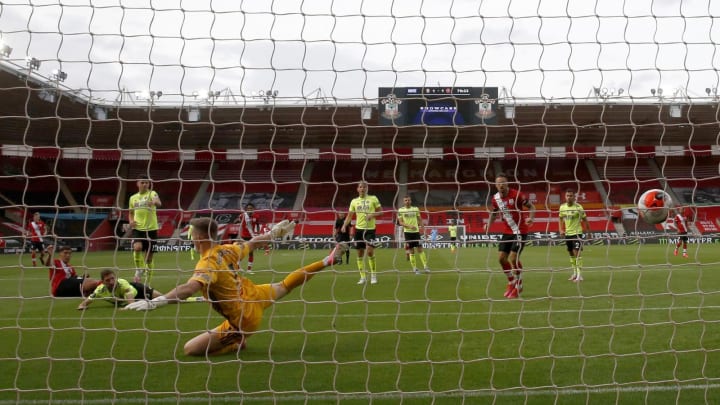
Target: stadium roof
x: 28, y: 116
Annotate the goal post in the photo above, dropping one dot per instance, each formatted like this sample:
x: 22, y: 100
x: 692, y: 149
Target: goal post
x: 275, y: 110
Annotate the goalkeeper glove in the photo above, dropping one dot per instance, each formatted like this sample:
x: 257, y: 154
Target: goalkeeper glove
x: 145, y: 305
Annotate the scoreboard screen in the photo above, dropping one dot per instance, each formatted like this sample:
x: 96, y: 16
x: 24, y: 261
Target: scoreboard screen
x: 437, y: 106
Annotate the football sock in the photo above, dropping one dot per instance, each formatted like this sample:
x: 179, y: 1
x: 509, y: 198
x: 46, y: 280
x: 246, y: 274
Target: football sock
x: 578, y: 264
x: 34, y: 260
x: 518, y: 270
x: 423, y: 259
x: 150, y: 271
x: 303, y: 274
x: 413, y: 261
x: 361, y: 267
x: 507, y: 269
x: 372, y: 264
x: 138, y: 260
x: 573, y: 264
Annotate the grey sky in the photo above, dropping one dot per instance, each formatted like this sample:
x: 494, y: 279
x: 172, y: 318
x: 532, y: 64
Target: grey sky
x: 536, y: 49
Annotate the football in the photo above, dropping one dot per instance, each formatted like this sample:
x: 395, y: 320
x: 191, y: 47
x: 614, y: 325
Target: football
x: 654, y: 206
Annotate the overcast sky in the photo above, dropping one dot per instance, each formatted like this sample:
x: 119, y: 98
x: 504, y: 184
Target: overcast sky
x: 349, y: 48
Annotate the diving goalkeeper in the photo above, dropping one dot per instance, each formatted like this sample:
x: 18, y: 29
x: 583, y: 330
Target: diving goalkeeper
x: 240, y: 301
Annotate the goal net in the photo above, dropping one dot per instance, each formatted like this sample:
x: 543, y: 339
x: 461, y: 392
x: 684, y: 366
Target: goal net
x: 252, y: 113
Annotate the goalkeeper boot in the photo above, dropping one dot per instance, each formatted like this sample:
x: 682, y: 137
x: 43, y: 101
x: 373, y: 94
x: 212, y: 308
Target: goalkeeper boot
x: 373, y: 279
x: 282, y: 228
x: 513, y: 294
x: 685, y: 255
x: 578, y: 279
x: 573, y: 277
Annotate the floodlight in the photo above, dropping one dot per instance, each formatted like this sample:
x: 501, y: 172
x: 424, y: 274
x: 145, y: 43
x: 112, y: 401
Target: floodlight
x: 207, y: 94
x: 150, y: 95
x: 5, y: 50
x: 58, y: 75
x: 32, y: 63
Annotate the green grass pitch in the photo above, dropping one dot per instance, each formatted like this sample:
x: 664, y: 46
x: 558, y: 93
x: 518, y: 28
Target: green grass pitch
x: 644, y: 327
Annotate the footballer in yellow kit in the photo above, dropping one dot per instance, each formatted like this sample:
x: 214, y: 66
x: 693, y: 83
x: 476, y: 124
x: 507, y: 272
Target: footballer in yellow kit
x: 217, y: 272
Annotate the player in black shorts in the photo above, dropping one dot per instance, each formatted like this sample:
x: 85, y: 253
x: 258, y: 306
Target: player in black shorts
x: 341, y: 236
x: 118, y: 291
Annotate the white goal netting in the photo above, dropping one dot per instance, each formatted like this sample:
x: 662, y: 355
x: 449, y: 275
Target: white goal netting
x: 255, y: 112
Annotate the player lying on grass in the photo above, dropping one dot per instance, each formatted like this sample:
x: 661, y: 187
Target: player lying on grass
x: 64, y: 281
x: 240, y: 301
x: 118, y: 291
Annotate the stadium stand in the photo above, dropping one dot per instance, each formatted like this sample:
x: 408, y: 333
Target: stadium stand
x: 545, y: 180
x: 93, y: 182
x: 625, y: 179
x: 193, y: 174
x: 449, y: 184
x: 334, y: 183
x: 692, y: 178
x: 32, y: 182
x: 264, y: 183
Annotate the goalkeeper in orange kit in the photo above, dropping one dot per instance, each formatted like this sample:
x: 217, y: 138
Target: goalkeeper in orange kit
x: 240, y: 301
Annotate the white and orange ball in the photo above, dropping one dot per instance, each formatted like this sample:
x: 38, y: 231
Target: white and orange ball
x: 654, y: 206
